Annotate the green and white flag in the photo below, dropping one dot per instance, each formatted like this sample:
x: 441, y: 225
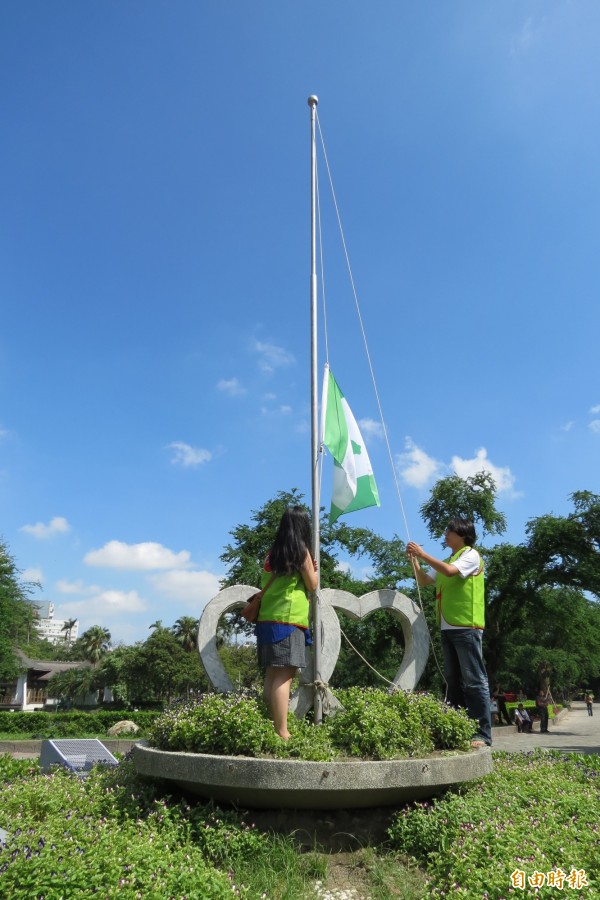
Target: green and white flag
x: 353, y: 482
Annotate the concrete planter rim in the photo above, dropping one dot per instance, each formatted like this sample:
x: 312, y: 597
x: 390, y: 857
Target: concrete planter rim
x: 291, y: 783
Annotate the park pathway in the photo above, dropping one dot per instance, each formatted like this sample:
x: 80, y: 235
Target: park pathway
x: 574, y: 731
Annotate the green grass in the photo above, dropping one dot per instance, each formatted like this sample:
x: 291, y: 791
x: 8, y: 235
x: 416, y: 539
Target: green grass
x: 535, y: 813
x: 125, y: 835
x: 118, y: 832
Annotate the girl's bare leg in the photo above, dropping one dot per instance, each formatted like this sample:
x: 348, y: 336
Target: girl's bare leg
x: 278, y: 682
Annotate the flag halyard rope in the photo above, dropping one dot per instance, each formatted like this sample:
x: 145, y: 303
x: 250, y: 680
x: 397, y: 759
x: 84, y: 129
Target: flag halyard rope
x: 373, y: 380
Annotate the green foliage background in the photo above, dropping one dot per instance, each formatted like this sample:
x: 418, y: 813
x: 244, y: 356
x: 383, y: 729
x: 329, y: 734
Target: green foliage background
x: 542, y: 611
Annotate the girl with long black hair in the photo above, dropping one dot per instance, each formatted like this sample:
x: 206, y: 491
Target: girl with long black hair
x: 282, y: 633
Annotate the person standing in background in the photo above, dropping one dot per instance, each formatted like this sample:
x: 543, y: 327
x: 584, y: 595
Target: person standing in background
x: 502, y: 709
x: 541, y: 703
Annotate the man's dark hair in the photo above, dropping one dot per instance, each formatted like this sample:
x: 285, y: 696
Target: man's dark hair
x: 464, y: 529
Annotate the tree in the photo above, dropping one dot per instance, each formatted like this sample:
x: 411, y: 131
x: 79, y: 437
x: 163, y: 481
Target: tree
x: 511, y: 592
x: 543, y: 624
x: 68, y: 626
x: 557, y: 644
x: 112, y: 671
x: 239, y: 661
x: 16, y: 614
x: 566, y: 549
x: 185, y: 630
x: 95, y: 643
x: 386, y: 560
x: 472, y: 498
x: 160, y: 669
x: 75, y: 683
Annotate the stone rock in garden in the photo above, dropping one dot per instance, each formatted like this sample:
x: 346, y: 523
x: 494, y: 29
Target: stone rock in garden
x: 124, y: 727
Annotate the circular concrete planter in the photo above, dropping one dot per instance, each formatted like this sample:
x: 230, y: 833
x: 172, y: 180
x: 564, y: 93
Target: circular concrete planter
x: 294, y: 784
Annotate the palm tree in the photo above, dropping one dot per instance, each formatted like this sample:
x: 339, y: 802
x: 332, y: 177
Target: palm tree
x: 74, y: 683
x: 95, y: 643
x: 158, y: 625
x: 68, y: 626
x: 185, y: 630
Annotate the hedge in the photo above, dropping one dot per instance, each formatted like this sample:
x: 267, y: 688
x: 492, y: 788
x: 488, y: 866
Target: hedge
x: 72, y: 723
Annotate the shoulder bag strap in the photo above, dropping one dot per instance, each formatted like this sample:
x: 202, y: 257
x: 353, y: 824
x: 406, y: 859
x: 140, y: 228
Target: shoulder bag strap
x: 268, y: 584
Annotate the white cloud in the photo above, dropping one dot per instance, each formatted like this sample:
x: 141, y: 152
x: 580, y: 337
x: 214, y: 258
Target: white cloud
x: 136, y: 557
x: 420, y: 470
x: 195, y: 588
x: 371, y: 428
x: 283, y: 409
x: 186, y: 455
x: 521, y: 42
x: 359, y: 573
x: 416, y: 467
x: 33, y: 575
x: 57, y: 525
x: 568, y: 426
x: 3, y: 432
x: 104, y: 603
x: 595, y: 426
x: 503, y: 477
x: 231, y: 386
x: 595, y: 410
x: 272, y: 357
x: 75, y: 587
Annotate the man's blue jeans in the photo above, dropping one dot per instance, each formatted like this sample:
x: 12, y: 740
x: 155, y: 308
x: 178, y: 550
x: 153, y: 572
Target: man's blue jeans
x: 466, y: 677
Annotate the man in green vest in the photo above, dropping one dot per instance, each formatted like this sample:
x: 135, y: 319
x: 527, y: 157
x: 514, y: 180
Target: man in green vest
x: 460, y: 598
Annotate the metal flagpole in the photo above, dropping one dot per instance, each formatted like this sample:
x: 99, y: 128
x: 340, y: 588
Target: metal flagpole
x: 316, y: 508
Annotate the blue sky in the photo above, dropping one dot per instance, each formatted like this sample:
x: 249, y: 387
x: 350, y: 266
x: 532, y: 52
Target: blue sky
x: 154, y: 271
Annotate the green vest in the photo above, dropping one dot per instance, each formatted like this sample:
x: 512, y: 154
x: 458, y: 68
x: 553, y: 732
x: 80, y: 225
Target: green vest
x: 285, y: 601
x: 461, y: 601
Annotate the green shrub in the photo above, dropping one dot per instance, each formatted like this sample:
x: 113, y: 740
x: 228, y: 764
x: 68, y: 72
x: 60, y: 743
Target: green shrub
x: 373, y: 724
x: 534, y: 812
x: 227, y: 724
x: 113, y: 835
x: 376, y: 725
x: 74, y: 723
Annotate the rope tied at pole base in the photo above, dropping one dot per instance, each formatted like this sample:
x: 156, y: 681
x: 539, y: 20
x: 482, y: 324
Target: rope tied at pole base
x: 322, y: 690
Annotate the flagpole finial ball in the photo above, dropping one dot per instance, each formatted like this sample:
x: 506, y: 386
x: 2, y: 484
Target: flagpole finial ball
x: 313, y: 100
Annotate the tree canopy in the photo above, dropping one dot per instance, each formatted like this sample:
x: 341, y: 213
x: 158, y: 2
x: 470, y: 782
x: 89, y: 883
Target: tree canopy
x: 472, y: 498
x: 16, y: 613
x: 542, y: 610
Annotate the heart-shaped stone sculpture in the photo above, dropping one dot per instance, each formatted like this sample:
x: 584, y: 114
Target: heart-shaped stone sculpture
x: 414, y: 629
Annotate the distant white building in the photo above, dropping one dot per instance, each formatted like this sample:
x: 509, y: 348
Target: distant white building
x: 49, y: 628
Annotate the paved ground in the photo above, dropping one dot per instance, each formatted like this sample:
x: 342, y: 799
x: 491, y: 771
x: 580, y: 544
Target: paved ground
x: 573, y: 730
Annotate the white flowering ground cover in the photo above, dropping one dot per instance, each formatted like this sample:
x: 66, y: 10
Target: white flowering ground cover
x: 373, y: 724
x: 530, y: 829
